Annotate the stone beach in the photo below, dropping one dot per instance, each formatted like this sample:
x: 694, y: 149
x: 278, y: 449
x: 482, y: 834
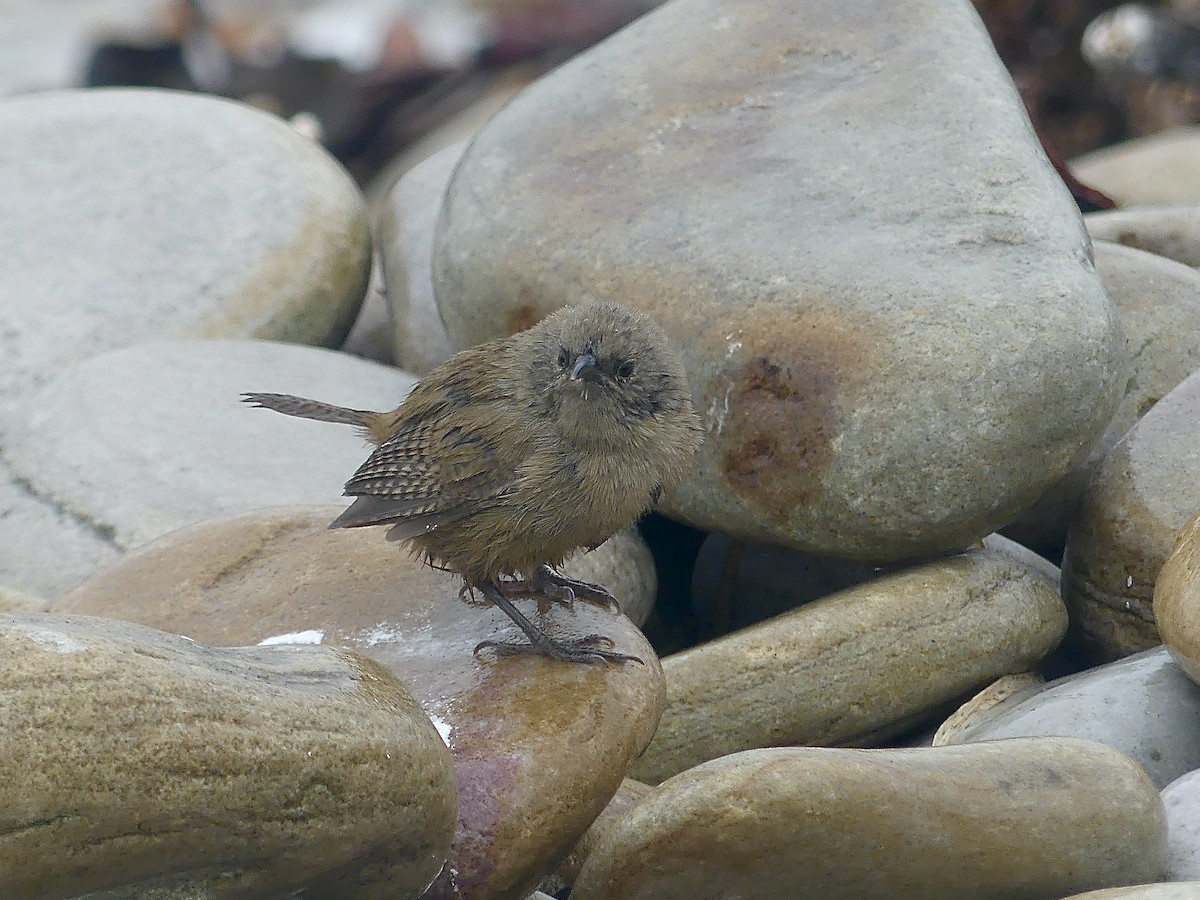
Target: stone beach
x: 924, y: 378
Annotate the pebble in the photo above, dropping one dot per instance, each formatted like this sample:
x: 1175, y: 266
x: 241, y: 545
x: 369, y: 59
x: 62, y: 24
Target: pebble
x: 628, y: 795
x: 1157, y: 891
x: 136, y: 759
x: 1177, y: 600
x: 1022, y: 683
x: 188, y: 216
x: 131, y: 444
x: 539, y: 746
x: 1181, y: 798
x: 1035, y: 818
x: 1159, y: 170
x: 834, y: 394
x: 1159, y: 304
x: 1143, y: 705
x: 1142, y: 494
x: 406, y: 226
x: 857, y: 665
x: 1170, y: 231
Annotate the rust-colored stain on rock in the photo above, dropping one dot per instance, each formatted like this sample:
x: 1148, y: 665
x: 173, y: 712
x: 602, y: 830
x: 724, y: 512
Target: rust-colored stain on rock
x: 785, y: 408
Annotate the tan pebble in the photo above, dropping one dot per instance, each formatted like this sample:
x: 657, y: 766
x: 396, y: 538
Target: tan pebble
x: 1039, y: 817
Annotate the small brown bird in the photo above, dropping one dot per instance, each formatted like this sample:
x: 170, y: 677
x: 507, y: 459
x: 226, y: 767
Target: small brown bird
x: 513, y: 454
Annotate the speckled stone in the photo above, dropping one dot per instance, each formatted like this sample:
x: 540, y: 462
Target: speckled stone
x: 539, y: 746
x: 1177, y: 599
x: 126, y: 446
x: 1032, y: 818
x: 136, y: 759
x: 1143, y: 705
x: 862, y: 663
x: 1159, y: 303
x: 1159, y: 170
x: 1142, y: 494
x: 1182, y: 801
x: 711, y: 164
x: 187, y: 216
x: 1170, y: 231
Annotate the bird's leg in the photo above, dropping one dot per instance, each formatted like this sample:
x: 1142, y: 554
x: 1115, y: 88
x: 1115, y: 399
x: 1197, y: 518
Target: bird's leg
x: 545, y: 583
x: 586, y: 649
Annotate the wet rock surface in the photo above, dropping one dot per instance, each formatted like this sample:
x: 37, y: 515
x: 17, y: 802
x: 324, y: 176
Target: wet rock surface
x: 539, y: 746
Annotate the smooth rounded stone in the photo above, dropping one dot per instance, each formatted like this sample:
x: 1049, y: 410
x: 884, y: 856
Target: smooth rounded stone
x: 1177, y: 600
x: 1035, y: 562
x: 44, y: 548
x: 1170, y: 231
x: 1023, y: 683
x: 1143, y: 705
x: 371, y: 335
x: 1182, y: 801
x: 1034, y: 818
x: 219, y: 562
x: 1159, y: 303
x: 137, y: 757
x: 866, y: 662
x: 735, y: 584
x: 1156, y: 891
x: 1159, y: 170
x: 137, y: 442
x: 1142, y: 494
x: 731, y: 208
x: 406, y: 227
x: 14, y: 601
x: 539, y: 746
x: 628, y: 795
x: 188, y: 216
x: 461, y: 126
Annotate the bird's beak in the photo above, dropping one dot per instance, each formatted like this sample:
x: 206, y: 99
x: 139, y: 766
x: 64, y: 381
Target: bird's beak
x: 585, y: 368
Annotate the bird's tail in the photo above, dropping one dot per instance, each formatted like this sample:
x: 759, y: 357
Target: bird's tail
x: 311, y: 409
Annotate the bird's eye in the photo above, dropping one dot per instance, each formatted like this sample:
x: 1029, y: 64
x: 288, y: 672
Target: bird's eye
x: 624, y: 370
x: 563, y: 358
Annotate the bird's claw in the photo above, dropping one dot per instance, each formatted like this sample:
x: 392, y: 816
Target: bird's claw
x: 549, y: 585
x: 584, y: 649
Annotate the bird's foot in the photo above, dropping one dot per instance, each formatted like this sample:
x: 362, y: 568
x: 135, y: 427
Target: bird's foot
x: 544, y: 583
x: 590, y: 649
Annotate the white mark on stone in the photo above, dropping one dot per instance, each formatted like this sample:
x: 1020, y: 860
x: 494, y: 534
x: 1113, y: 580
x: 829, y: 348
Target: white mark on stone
x: 380, y: 634
x: 714, y: 419
x: 312, y: 636
x: 53, y: 640
x: 444, y: 728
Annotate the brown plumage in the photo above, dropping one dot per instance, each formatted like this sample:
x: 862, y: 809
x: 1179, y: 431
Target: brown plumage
x: 513, y: 454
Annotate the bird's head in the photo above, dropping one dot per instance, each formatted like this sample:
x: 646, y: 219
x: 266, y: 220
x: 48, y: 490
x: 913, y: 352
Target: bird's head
x: 600, y: 366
